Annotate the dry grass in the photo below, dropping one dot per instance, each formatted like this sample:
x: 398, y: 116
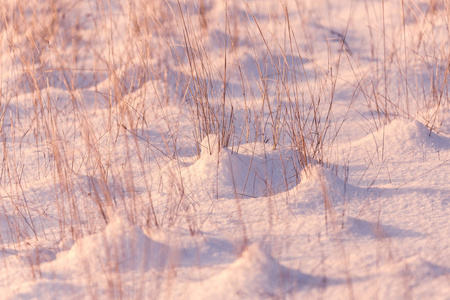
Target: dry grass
x: 111, y: 101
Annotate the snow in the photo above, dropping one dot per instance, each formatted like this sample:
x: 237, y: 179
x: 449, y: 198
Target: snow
x: 254, y: 274
x: 224, y: 150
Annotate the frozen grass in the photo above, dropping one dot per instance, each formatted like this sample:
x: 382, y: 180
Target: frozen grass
x: 156, y: 148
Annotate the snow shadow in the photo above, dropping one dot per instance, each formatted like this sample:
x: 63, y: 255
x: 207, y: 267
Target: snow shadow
x: 59, y: 79
x: 376, y: 230
x: 6, y: 252
x: 38, y: 255
x: 210, y: 251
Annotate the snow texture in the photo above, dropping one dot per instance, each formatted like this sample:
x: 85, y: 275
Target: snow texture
x: 224, y: 149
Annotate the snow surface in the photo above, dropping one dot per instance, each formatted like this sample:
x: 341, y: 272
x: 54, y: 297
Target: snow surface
x: 112, y: 186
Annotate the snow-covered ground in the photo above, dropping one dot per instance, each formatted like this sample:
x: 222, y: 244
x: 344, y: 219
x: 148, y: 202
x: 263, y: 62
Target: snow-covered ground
x: 225, y: 149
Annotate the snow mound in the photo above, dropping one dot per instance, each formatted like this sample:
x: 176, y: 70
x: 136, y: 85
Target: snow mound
x: 210, y: 145
x: 319, y: 183
x: 254, y: 275
x: 121, y: 246
x: 254, y: 171
x: 403, y: 138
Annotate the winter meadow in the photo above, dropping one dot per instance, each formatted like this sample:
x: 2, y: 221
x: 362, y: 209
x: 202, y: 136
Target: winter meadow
x: 228, y: 149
